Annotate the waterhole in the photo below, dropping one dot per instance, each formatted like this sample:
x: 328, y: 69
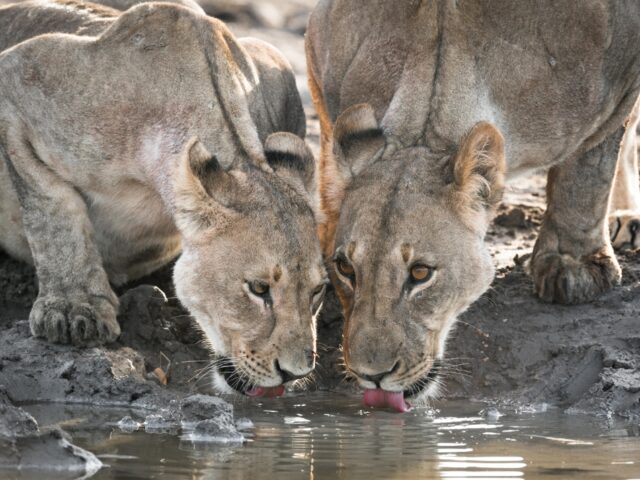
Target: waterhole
x: 332, y: 436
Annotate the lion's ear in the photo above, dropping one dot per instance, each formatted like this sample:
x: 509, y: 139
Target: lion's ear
x: 202, y: 189
x: 357, y: 137
x: 290, y: 158
x: 479, y: 170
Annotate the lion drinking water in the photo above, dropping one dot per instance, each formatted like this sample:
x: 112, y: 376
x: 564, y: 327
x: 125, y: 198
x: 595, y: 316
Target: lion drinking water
x: 126, y: 139
x: 426, y: 109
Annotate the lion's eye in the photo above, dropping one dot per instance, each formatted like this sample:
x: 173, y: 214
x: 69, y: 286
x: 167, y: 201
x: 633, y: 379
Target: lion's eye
x: 345, y: 268
x: 421, y: 273
x: 261, y: 289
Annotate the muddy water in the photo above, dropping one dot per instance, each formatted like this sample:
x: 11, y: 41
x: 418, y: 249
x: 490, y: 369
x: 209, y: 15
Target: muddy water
x: 322, y: 436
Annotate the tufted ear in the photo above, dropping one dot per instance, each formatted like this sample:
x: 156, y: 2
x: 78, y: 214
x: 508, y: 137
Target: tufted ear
x: 479, y: 173
x: 357, y: 138
x: 290, y: 158
x: 203, y: 190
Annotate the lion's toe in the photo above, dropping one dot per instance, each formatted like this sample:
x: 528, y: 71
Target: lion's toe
x: 564, y: 279
x: 624, y: 228
x: 60, y: 320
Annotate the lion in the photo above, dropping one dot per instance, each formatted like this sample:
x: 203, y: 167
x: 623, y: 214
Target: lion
x: 427, y: 108
x: 128, y: 139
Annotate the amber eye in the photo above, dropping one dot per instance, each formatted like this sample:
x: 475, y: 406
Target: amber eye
x: 421, y: 273
x: 345, y: 268
x: 258, y: 288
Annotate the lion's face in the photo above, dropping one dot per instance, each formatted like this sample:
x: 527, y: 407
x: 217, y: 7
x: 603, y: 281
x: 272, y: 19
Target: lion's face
x: 409, y: 255
x: 251, y: 271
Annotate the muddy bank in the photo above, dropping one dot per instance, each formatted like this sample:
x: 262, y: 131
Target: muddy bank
x: 514, y: 349
x: 159, y: 344
x: 152, y: 370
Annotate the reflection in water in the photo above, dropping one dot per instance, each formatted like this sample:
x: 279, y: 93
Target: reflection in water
x: 328, y: 436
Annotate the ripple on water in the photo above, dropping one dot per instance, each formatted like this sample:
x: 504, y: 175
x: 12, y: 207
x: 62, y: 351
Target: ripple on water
x: 331, y: 436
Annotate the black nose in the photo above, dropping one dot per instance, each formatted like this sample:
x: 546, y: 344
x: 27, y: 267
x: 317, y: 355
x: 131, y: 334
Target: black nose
x: 377, y: 378
x: 285, y: 374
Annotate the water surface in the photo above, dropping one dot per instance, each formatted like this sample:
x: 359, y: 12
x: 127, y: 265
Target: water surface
x: 332, y: 436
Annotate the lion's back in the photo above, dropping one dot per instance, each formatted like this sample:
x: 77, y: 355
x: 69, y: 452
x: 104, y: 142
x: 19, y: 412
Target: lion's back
x: 22, y: 21
x: 555, y: 78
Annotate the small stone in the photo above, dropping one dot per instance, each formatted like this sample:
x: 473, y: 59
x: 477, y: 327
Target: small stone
x: 515, y: 218
x: 244, y: 424
x: 128, y: 425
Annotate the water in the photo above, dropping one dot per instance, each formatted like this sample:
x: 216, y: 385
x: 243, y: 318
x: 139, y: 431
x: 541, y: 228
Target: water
x: 330, y: 436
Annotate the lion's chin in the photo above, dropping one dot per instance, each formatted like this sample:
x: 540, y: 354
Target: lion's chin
x: 226, y: 379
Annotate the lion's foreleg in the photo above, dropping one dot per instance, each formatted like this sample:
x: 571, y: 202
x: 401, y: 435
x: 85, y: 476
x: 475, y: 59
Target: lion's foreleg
x: 624, y: 210
x: 573, y: 260
x: 75, y: 302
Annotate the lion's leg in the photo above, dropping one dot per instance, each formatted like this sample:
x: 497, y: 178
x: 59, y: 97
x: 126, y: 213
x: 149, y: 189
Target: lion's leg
x: 624, y: 210
x: 573, y: 260
x: 75, y: 302
x: 13, y: 239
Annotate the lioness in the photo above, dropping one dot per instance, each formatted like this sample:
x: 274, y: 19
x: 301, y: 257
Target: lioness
x: 426, y: 108
x: 103, y: 179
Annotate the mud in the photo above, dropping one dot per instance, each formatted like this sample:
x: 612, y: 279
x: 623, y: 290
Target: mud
x: 508, y: 348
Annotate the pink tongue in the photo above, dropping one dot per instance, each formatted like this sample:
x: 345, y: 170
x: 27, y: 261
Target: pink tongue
x: 266, y: 391
x: 381, y: 398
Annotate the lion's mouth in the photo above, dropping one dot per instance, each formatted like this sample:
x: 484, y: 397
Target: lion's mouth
x: 241, y: 384
x: 398, y: 400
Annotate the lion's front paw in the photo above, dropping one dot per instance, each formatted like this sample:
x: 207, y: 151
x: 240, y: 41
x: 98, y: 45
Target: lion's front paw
x: 564, y: 279
x: 624, y: 228
x: 79, y: 321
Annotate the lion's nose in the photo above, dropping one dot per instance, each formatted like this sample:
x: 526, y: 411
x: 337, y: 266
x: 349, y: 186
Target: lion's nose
x: 377, y: 377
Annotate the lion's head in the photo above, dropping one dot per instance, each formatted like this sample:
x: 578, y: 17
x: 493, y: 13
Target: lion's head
x: 408, y: 248
x: 251, y: 271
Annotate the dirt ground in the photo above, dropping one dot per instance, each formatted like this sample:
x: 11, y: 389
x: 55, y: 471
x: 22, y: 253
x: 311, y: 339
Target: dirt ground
x: 508, y: 348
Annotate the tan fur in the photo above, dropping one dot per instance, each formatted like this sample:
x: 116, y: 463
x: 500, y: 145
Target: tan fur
x: 126, y: 139
x: 466, y: 95
x: 624, y: 208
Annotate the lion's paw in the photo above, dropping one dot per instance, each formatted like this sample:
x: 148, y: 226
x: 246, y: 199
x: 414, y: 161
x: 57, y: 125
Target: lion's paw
x: 81, y: 322
x: 624, y: 228
x: 564, y: 279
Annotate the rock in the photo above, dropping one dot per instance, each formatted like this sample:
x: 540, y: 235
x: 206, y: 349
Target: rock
x: 514, y: 218
x: 160, y: 423
x: 14, y: 422
x: 218, y: 430
x: 244, y: 424
x: 46, y: 452
x: 205, y: 407
x: 128, y: 425
x: 23, y: 447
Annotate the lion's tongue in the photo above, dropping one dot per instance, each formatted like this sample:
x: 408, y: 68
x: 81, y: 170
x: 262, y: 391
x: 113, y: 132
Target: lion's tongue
x: 381, y: 398
x: 266, y: 391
